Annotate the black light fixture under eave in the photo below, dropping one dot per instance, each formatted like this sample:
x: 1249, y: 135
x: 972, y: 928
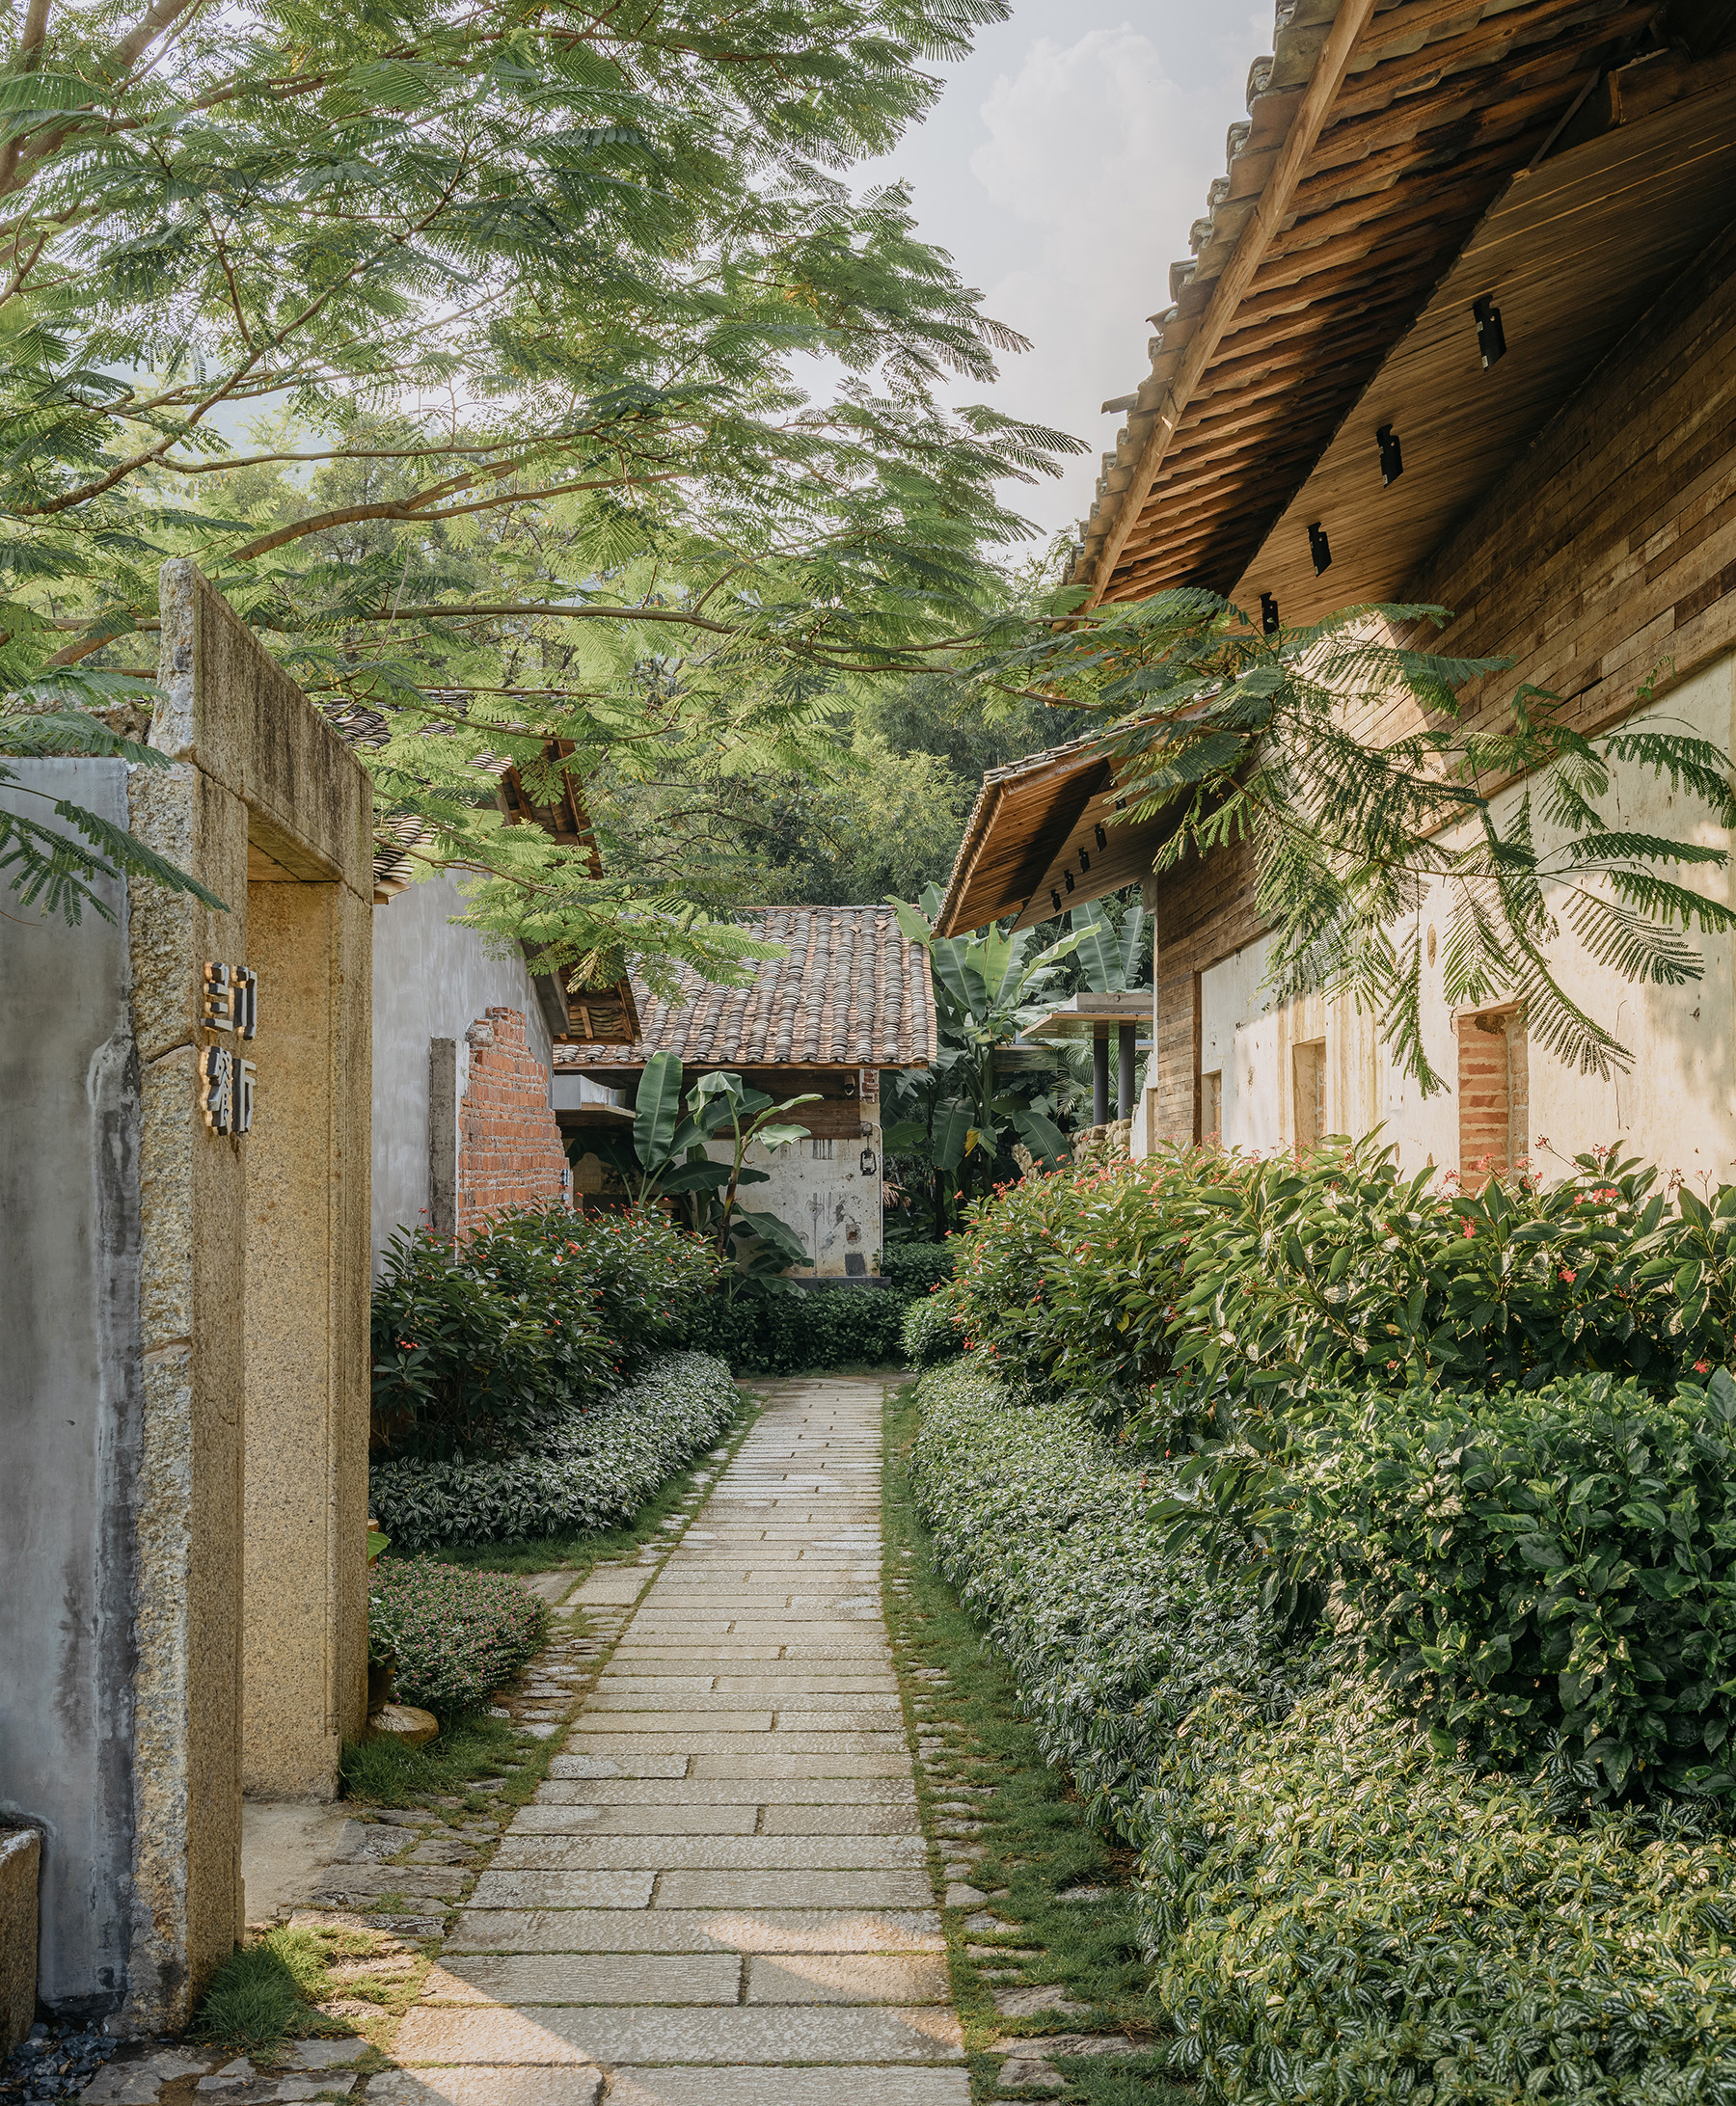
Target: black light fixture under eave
x: 1067, y: 878
x: 1268, y: 614
x: 1319, y: 547
x: 1491, y: 338
x: 1084, y: 858
x: 1056, y: 896
x: 1392, y: 457
x: 1103, y: 836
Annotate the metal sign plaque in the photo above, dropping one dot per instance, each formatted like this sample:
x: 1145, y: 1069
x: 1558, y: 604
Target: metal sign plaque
x: 229, y: 1002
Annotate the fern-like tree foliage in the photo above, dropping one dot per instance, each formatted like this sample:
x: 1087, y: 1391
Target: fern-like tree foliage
x: 1343, y: 758
x: 526, y: 371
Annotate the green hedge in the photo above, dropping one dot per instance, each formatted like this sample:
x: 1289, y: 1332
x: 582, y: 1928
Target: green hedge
x: 1338, y: 1914
x: 914, y: 1268
x: 766, y: 1329
x: 594, y: 1468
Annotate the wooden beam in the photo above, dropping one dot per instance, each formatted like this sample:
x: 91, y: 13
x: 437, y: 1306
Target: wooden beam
x: 1269, y: 212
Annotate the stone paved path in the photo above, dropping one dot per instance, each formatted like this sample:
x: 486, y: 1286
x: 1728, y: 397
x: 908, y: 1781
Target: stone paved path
x: 720, y: 1898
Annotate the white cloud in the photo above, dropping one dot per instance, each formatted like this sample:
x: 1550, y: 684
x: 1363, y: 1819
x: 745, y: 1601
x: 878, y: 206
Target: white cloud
x: 1096, y: 161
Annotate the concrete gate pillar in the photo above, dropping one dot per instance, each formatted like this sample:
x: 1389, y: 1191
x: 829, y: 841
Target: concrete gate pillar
x: 252, y: 1495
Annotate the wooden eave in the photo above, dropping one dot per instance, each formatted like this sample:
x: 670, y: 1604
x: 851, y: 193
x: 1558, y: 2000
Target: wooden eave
x: 605, y: 1014
x: 1378, y: 138
x: 1575, y: 253
x: 1032, y: 847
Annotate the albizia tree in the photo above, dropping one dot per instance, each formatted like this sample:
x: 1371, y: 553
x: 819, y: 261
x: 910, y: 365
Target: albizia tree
x: 477, y: 350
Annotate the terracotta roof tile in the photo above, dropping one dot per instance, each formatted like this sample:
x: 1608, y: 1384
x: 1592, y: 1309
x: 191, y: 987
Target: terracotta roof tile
x: 850, y: 991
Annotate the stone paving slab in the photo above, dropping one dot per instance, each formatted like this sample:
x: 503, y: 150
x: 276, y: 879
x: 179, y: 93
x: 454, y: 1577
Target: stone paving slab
x: 612, y: 2034
x: 571, y: 1820
x: 697, y: 1930
x: 895, y: 1762
x: 719, y: 1897
x: 577, y: 2087
x: 743, y: 1791
x: 785, y: 1889
x: 854, y: 2087
x: 709, y: 1852
x: 604, y: 1736
x: 563, y: 1890
x: 847, y: 1978
x: 594, y: 1978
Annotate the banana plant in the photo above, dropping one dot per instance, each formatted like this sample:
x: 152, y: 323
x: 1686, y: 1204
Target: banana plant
x: 667, y: 1158
x: 988, y: 988
x: 1111, y: 961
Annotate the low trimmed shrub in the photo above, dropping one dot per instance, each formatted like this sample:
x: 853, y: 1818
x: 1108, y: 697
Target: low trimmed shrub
x: 454, y: 1634
x: 1561, y: 1560
x: 766, y: 1329
x: 1338, y: 1915
x: 929, y: 1336
x: 593, y: 1470
x: 482, y: 1345
x: 915, y: 1268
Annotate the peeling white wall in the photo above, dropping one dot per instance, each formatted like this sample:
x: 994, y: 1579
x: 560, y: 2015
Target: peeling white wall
x: 1675, y: 1105
x: 822, y: 1191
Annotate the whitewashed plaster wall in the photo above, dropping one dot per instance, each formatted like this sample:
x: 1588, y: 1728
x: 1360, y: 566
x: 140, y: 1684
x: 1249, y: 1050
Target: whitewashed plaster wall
x: 1675, y: 1105
x: 821, y: 1190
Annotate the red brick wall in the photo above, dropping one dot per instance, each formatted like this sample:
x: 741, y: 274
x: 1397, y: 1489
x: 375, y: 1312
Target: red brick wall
x: 1483, y: 1104
x: 509, y: 1151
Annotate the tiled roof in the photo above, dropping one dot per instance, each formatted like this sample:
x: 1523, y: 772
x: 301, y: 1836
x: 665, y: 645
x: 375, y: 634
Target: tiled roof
x: 850, y: 991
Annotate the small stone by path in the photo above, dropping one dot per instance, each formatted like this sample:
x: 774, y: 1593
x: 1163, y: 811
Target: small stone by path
x: 719, y: 1897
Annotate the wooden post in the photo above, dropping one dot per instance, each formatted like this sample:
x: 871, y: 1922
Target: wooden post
x: 1123, y: 1071
x: 1100, y: 1077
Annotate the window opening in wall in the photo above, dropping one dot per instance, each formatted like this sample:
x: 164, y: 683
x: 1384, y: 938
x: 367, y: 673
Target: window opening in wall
x: 1494, y: 1094
x: 1211, y: 1105
x: 822, y: 1151
x: 1310, y: 1079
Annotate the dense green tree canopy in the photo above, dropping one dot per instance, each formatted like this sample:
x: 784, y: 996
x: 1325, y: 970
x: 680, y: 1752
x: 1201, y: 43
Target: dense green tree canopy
x: 599, y: 408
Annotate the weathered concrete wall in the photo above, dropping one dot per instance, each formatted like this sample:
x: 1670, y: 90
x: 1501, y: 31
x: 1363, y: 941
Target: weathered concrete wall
x: 261, y: 784
x: 69, y: 1405
x: 431, y: 980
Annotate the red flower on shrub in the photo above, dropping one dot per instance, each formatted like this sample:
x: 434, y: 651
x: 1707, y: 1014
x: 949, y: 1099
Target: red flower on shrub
x: 1569, y: 1277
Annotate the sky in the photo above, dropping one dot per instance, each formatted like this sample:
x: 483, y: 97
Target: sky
x: 1061, y: 168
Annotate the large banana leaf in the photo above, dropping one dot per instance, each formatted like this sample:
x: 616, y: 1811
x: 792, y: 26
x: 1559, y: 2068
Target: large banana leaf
x: 1041, y: 1135
x: 656, y: 1110
x: 1099, y: 951
x: 1132, y: 929
x: 953, y: 1131
x: 775, y: 1232
x: 695, y: 1177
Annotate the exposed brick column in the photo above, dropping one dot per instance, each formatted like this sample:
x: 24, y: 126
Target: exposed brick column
x: 509, y: 1151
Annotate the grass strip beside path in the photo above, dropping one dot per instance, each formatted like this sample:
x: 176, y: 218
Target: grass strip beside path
x: 983, y: 1787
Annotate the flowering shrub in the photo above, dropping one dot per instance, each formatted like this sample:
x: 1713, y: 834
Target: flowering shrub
x: 591, y: 1470
x: 1338, y: 1914
x: 456, y: 1634
x: 481, y: 1346
x: 1206, y: 1294
x: 1068, y: 1282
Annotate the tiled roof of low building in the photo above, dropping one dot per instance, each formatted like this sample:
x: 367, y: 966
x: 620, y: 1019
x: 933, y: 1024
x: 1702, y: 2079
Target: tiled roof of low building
x: 850, y: 991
